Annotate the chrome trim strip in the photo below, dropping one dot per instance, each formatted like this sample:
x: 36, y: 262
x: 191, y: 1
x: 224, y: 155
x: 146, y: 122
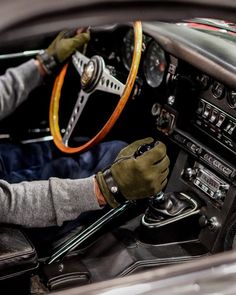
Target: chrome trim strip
x: 27, y: 53
x: 190, y: 212
x: 40, y: 139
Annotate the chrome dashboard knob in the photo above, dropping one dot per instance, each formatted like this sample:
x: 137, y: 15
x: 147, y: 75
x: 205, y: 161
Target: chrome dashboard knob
x: 189, y: 173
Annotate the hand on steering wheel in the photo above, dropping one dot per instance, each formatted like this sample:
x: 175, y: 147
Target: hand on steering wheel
x: 94, y: 76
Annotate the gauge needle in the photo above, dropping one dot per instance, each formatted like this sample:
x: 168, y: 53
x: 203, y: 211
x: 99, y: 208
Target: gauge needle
x: 162, y: 67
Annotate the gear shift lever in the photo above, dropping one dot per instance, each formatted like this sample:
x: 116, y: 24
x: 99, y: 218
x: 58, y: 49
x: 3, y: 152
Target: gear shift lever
x: 169, y: 205
x: 141, y: 150
x: 163, y: 207
x: 144, y: 148
x: 169, y: 208
x: 159, y: 197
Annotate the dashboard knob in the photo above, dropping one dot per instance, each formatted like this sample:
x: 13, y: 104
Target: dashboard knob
x: 156, y: 109
x: 203, y: 221
x: 212, y: 223
x: 163, y: 121
x: 171, y: 100
x: 219, y: 195
x: 188, y: 173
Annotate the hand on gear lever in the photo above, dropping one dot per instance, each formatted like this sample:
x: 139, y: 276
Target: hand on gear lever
x: 139, y: 171
x: 166, y: 205
x: 142, y: 149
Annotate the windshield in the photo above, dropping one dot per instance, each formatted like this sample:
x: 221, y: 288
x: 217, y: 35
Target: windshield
x: 221, y: 28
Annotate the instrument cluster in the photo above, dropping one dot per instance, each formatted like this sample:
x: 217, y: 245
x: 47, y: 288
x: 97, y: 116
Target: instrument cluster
x: 154, y: 61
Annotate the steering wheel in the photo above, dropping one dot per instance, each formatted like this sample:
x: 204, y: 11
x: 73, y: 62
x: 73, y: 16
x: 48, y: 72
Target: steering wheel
x: 94, y: 76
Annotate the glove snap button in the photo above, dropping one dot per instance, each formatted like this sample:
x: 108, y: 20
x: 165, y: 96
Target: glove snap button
x: 114, y: 189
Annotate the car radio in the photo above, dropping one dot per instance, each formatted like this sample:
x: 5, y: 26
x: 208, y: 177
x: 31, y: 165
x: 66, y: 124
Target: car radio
x: 206, y: 181
x: 203, y: 154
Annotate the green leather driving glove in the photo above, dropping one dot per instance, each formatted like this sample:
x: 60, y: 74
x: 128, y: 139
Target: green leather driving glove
x: 62, y: 47
x: 133, y: 177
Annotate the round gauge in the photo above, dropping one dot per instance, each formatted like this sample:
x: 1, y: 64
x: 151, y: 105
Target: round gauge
x: 231, y: 98
x: 154, y: 64
x: 127, y: 49
x: 204, y: 81
x: 218, y: 90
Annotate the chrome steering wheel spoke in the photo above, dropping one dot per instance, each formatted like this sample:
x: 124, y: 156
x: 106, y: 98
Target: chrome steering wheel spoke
x: 110, y: 84
x: 77, y: 111
x: 79, y: 61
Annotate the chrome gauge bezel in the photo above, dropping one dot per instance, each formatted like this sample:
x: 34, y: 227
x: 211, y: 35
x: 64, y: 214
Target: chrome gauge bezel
x: 231, y: 104
x: 154, y: 82
x: 215, y: 90
x: 128, y: 45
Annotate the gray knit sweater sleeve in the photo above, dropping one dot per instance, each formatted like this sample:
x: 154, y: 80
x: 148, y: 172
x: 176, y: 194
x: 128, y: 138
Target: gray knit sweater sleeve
x: 16, y: 85
x: 46, y: 203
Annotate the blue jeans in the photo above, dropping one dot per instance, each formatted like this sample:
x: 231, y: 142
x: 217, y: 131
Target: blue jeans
x: 39, y: 161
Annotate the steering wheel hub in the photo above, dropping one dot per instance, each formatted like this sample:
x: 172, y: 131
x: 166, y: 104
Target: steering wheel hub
x: 92, y: 73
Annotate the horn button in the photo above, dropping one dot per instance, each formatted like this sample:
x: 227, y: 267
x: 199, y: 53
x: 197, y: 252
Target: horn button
x: 92, y: 73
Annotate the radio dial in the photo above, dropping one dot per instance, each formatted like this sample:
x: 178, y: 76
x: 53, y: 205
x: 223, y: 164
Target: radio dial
x: 189, y: 173
x: 219, y: 195
x: 212, y: 223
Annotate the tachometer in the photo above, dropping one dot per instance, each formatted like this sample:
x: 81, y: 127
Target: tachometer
x: 128, y: 47
x: 154, y: 64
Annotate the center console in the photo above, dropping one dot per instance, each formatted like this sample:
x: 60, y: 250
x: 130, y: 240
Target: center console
x: 196, y: 214
x: 201, y: 121
x: 167, y: 233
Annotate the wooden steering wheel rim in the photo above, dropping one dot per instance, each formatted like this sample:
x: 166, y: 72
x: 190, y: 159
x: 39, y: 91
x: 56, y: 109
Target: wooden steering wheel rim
x: 56, y: 94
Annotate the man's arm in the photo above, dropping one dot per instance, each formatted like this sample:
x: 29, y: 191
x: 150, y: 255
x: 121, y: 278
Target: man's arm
x: 53, y: 201
x: 16, y: 85
x: 18, y: 82
x: 46, y: 203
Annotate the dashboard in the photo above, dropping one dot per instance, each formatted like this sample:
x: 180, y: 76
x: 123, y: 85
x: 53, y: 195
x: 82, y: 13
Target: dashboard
x: 191, y: 102
x: 211, y: 104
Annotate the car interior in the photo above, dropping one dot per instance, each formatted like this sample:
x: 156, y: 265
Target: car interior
x: 183, y: 95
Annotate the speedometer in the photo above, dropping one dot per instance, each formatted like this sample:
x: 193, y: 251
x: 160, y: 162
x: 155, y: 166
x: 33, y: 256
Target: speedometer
x: 154, y: 64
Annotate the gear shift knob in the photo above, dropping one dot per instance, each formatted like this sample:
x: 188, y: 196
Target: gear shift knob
x: 144, y: 148
x: 159, y: 197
